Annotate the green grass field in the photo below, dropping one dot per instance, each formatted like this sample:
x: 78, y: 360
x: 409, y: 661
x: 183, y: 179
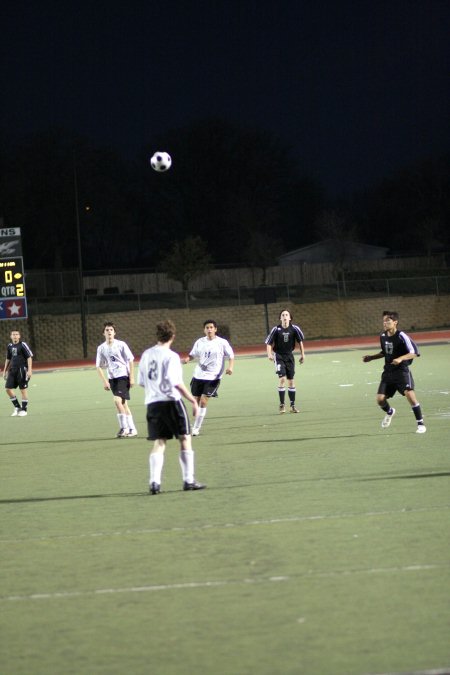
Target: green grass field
x: 321, y: 545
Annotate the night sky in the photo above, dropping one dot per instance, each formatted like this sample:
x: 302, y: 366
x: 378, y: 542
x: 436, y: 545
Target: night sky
x: 358, y: 89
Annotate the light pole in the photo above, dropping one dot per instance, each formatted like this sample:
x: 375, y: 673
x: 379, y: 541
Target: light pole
x: 80, y: 261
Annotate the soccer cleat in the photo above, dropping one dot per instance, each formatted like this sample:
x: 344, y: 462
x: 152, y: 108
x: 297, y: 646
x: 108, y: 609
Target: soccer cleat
x: 282, y: 408
x: 421, y: 429
x: 387, y: 419
x: 15, y: 412
x: 193, y: 486
x: 22, y: 413
x: 154, y: 488
x: 294, y: 409
x: 195, y: 432
x: 132, y: 432
x: 122, y: 433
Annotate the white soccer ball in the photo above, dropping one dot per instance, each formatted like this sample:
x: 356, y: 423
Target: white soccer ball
x: 161, y: 161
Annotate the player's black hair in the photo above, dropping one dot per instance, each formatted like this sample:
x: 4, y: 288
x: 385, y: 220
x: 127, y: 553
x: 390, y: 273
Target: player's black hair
x: 205, y: 323
x: 165, y: 330
x: 392, y: 315
x: 109, y: 323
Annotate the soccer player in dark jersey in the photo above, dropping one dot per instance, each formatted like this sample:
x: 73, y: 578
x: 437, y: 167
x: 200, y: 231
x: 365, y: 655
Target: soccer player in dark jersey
x: 398, y: 351
x: 17, y: 372
x: 280, y: 345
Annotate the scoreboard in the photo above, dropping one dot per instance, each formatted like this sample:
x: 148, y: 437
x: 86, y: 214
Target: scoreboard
x: 12, y: 278
x: 13, y: 299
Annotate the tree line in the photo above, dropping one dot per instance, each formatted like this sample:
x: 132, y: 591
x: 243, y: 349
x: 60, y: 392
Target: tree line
x: 233, y: 196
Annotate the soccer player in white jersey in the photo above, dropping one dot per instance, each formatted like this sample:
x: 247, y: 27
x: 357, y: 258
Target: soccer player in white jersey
x: 211, y: 352
x: 115, y: 356
x: 160, y: 373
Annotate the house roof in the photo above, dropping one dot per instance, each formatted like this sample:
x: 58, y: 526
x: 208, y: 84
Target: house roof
x: 326, y: 243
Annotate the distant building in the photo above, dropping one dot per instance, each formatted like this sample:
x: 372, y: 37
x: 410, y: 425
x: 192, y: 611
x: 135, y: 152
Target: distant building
x: 333, y: 250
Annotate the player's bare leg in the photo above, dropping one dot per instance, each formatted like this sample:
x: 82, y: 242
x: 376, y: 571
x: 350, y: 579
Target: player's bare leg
x: 282, y: 394
x: 121, y: 417
x: 417, y: 411
x: 291, y: 394
x: 202, y: 403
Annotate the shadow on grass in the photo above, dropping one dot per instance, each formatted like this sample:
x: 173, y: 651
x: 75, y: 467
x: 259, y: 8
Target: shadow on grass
x: 59, y: 441
x: 412, y: 476
x: 279, y: 440
x: 34, y: 500
x: 31, y: 500
x: 37, y: 500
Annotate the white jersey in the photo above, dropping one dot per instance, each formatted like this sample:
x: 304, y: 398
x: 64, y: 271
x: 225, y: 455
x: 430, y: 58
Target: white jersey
x: 159, y: 372
x: 115, y: 357
x: 211, y: 355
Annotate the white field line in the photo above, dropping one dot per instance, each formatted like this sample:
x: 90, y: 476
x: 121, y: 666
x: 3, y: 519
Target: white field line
x: 433, y: 671
x: 310, y: 574
x: 223, y: 526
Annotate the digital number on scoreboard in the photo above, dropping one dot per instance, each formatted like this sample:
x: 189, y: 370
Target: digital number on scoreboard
x: 12, y: 282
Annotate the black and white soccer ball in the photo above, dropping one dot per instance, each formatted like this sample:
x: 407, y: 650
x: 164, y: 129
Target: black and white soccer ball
x: 161, y: 161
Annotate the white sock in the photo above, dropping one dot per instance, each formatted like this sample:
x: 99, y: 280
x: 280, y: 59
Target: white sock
x: 130, y: 423
x: 199, y: 419
x: 156, y: 462
x: 187, y: 465
x: 120, y: 420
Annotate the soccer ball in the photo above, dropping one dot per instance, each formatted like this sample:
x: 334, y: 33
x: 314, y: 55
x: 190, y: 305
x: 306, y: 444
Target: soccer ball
x: 161, y: 161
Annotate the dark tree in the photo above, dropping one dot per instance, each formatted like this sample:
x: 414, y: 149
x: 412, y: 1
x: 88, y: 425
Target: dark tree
x: 261, y: 252
x: 186, y: 260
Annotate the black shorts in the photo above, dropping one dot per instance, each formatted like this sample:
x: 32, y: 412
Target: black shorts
x: 120, y: 386
x: 395, y: 380
x: 206, y: 388
x: 285, y: 365
x: 167, y: 419
x: 17, y: 378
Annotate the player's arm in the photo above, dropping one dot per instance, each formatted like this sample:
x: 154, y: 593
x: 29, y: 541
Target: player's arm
x: 6, y: 368
x: 192, y: 355
x: 372, y: 357
x: 131, y: 372
x: 184, y: 391
x: 229, y: 370
x: 141, y: 373
x: 404, y: 357
x: 270, y: 353
x: 103, y: 378
x: 302, y: 352
x: 29, y: 367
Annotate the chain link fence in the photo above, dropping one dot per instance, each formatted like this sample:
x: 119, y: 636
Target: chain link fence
x: 111, y: 300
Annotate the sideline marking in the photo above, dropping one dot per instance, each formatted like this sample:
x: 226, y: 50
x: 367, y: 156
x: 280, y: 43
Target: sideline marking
x: 57, y: 595
x: 210, y: 526
x: 433, y: 671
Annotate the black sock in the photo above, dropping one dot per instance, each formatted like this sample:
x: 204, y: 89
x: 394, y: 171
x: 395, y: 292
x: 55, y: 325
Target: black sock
x: 281, y: 394
x: 417, y: 413
x: 15, y: 402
